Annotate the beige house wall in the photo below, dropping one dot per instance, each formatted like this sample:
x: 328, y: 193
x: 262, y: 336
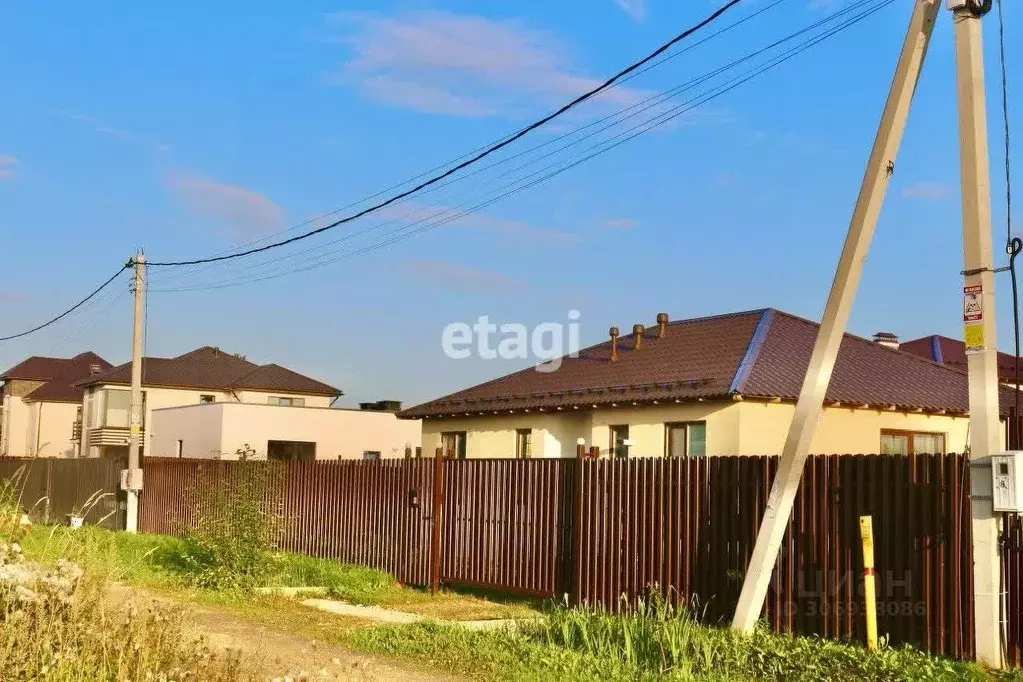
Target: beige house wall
x: 221, y: 430
x: 841, y: 430
x: 733, y: 428
x: 49, y: 426
x: 158, y: 398
x: 20, y: 427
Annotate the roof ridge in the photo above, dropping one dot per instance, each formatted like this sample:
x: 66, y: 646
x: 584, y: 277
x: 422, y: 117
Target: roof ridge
x: 756, y: 342
x: 872, y: 344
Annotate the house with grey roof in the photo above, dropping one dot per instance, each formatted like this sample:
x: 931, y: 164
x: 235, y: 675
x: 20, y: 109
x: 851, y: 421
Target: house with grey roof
x: 720, y: 385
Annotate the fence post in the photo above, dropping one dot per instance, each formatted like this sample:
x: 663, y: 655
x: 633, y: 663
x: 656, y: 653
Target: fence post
x: 438, y: 515
x: 869, y: 592
x: 49, y: 489
x: 577, y: 527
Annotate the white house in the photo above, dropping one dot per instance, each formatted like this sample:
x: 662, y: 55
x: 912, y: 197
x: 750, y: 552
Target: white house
x: 268, y: 431
x: 268, y: 409
x: 40, y: 403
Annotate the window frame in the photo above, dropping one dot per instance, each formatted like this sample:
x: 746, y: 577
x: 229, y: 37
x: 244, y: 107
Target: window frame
x: 909, y: 439
x: 292, y: 401
x: 520, y: 451
x: 461, y: 443
x: 613, y: 449
x: 668, y: 426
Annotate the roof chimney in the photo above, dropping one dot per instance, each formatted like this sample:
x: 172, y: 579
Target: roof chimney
x: 637, y: 336
x: 662, y: 325
x: 613, y: 331
x: 886, y: 339
x: 94, y: 369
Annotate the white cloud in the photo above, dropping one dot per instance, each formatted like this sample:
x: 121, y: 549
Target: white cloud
x: 436, y: 214
x: 462, y: 65
x: 244, y: 212
x: 125, y: 135
x: 927, y: 190
x: 8, y: 165
x: 636, y: 9
x: 457, y: 277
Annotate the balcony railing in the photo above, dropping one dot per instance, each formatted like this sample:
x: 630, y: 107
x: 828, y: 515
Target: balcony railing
x: 111, y: 436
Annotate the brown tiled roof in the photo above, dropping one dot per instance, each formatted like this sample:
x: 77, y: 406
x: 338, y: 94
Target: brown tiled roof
x: 277, y: 378
x: 36, y: 368
x: 213, y: 369
x: 951, y: 352
x: 759, y: 353
x: 63, y: 387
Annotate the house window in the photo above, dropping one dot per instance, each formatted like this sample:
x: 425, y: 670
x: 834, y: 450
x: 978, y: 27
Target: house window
x: 286, y: 402
x: 117, y: 408
x: 373, y: 455
x: 683, y: 439
x: 453, y: 443
x: 619, y: 440
x: 290, y: 450
x: 523, y: 443
x: 895, y: 442
x: 207, y: 399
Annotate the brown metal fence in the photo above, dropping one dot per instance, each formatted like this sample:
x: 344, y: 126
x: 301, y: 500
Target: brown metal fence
x: 507, y: 524
x: 377, y: 514
x: 50, y: 489
x: 689, y: 526
x: 685, y: 525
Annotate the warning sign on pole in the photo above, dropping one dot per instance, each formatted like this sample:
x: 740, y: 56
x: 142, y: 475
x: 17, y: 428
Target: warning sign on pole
x: 973, y: 318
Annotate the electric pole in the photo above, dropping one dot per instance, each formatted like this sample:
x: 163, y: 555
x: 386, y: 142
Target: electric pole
x: 979, y: 325
x: 980, y: 339
x: 132, y: 479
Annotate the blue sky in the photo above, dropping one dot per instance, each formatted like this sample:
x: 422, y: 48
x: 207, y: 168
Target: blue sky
x: 191, y: 130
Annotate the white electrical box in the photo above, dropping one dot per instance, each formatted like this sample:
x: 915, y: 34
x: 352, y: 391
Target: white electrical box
x: 1007, y: 477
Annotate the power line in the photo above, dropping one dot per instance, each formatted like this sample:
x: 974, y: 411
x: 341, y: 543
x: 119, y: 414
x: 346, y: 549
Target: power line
x: 477, y: 157
x: 70, y: 310
x: 425, y: 173
x: 588, y: 154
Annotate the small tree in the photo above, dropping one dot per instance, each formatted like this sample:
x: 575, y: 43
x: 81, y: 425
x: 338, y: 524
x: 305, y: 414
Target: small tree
x: 237, y: 524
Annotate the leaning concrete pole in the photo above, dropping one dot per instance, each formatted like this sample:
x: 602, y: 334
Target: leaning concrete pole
x: 836, y: 315
x: 982, y: 347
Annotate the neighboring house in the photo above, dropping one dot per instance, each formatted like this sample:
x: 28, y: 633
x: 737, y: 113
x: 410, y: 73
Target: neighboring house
x: 209, y: 403
x: 950, y: 352
x: 723, y: 385
x: 267, y: 431
x: 40, y: 404
x: 202, y: 376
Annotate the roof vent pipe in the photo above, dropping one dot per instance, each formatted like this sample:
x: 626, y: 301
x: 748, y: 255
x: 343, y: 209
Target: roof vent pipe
x: 613, y: 331
x: 662, y: 325
x: 637, y: 336
x: 886, y: 339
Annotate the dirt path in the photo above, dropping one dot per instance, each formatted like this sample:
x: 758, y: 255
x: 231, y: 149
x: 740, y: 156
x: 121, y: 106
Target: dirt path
x: 277, y: 654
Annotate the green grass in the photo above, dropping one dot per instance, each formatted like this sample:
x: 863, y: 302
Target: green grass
x: 650, y: 643
x: 155, y: 562
x: 563, y: 644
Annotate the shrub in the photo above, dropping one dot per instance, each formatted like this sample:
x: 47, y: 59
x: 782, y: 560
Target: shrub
x: 237, y: 524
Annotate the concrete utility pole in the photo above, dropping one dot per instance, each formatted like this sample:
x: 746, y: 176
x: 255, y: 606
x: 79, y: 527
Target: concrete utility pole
x: 836, y: 315
x: 981, y: 342
x: 979, y: 331
x: 132, y: 480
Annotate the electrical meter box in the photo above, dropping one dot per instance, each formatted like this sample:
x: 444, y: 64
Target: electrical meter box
x: 1007, y: 476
